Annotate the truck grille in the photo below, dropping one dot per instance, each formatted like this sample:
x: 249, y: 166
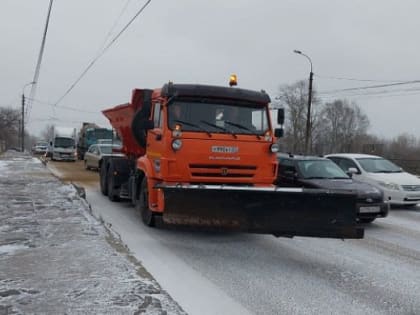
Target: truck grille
x: 222, y: 171
x: 411, y: 187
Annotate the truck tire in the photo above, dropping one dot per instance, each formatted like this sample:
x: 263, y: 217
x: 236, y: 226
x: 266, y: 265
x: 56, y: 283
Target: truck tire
x: 112, y: 195
x: 142, y: 204
x: 103, y: 180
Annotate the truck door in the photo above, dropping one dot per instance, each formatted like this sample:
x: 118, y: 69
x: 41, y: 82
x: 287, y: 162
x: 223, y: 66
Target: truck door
x: 155, y: 143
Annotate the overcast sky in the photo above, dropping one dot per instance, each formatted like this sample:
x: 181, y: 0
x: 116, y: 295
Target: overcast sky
x: 197, y: 41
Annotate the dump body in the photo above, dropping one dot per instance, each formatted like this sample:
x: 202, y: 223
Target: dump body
x: 205, y: 156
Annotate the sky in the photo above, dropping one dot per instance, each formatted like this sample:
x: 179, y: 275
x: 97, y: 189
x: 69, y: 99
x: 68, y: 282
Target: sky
x: 351, y: 44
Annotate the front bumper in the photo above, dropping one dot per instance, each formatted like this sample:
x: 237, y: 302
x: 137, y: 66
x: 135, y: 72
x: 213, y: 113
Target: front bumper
x: 401, y: 197
x: 372, y: 210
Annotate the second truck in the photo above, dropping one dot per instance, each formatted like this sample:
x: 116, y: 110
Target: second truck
x: 205, y: 156
x: 91, y: 133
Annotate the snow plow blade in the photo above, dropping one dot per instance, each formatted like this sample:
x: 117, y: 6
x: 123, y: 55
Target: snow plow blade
x: 279, y: 211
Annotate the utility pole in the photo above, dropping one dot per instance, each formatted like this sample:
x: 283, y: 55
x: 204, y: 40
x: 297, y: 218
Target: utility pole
x: 308, y: 135
x: 22, y: 125
x: 23, y: 115
x: 308, y: 116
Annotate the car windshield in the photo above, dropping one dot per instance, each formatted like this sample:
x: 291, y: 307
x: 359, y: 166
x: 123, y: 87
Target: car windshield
x: 219, y: 117
x: 311, y: 169
x: 378, y: 165
x: 41, y: 144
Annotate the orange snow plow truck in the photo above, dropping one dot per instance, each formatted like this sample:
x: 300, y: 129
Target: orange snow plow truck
x: 205, y: 156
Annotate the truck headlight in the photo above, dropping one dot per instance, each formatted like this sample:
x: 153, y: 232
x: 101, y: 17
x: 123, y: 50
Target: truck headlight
x: 388, y: 185
x: 274, y: 148
x: 176, y: 144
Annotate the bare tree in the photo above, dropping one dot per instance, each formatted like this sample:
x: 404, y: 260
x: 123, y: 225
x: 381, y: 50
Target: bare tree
x: 294, y: 98
x: 9, y: 126
x: 47, y: 132
x: 342, y: 124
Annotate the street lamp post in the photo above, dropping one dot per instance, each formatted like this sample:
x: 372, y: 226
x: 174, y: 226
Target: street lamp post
x: 23, y: 116
x: 308, y: 117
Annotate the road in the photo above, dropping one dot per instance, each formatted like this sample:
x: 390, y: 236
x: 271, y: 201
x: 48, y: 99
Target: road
x: 229, y: 273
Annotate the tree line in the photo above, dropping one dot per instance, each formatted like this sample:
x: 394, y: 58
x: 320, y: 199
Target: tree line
x: 10, y: 130
x: 339, y: 126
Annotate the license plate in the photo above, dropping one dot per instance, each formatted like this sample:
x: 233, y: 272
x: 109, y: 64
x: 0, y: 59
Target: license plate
x: 373, y: 209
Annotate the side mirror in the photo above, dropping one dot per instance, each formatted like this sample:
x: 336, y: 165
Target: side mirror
x: 50, y: 143
x: 351, y: 171
x: 280, y: 116
x: 278, y: 132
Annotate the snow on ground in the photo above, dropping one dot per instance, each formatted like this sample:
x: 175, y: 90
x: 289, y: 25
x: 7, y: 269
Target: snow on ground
x: 55, y: 258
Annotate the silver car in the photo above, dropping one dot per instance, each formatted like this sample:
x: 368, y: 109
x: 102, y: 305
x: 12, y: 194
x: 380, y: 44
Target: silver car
x: 94, y: 155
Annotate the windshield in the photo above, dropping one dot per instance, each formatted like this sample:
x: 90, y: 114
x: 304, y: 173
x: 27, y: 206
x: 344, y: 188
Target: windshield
x: 64, y: 142
x: 320, y: 169
x: 219, y: 117
x: 378, y: 165
x: 99, y: 134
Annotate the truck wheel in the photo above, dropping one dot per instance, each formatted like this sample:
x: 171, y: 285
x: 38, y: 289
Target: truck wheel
x: 111, y: 191
x: 142, y: 204
x: 103, y: 181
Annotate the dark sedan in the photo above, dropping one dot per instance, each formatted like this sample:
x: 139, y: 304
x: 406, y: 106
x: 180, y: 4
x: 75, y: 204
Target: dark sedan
x: 317, y: 172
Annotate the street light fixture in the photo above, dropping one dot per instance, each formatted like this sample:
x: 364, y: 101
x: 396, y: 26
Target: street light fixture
x: 308, y: 117
x: 23, y: 116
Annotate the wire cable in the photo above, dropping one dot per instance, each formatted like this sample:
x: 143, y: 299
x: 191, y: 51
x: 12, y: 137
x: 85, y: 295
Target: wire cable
x: 102, y: 52
x: 40, y: 55
x: 359, y: 80
x: 369, y: 87
x: 64, y: 107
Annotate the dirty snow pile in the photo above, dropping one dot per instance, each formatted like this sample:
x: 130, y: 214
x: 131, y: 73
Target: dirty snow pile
x: 55, y: 258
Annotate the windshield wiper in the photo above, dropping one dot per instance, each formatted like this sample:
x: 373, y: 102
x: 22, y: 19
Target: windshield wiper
x: 218, y: 127
x: 242, y: 127
x: 193, y: 125
x: 338, y: 177
x: 237, y: 125
x: 187, y: 123
x: 316, y: 177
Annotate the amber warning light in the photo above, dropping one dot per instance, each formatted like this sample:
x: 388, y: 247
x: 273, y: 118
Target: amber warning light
x: 233, y: 80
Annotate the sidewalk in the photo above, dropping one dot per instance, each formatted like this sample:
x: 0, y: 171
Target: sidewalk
x: 55, y: 258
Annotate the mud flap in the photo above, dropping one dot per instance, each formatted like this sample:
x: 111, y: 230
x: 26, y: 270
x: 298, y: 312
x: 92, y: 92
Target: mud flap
x: 278, y: 211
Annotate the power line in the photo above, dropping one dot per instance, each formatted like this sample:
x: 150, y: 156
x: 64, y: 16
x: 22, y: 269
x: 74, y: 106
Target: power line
x: 64, y: 107
x: 369, y: 87
x: 102, y: 52
x: 40, y: 55
x: 359, y: 80
x: 114, y: 25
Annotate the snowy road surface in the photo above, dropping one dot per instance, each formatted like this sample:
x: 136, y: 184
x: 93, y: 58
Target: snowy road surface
x: 228, y: 273
x: 377, y: 275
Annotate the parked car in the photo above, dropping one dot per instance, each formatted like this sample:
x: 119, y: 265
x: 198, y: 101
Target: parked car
x: 40, y: 147
x: 318, y: 172
x: 95, y: 153
x: 399, y: 187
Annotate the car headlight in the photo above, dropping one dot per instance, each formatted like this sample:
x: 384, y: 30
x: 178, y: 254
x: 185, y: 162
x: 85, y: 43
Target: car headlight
x: 388, y: 185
